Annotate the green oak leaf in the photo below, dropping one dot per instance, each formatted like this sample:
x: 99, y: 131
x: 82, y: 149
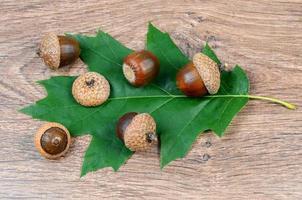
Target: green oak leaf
x: 209, y: 52
x: 179, y: 119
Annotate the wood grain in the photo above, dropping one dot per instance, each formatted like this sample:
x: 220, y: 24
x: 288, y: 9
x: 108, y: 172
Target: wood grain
x: 259, y: 158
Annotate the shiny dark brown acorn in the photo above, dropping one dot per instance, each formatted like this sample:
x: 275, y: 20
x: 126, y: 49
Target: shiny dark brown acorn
x: 200, y: 77
x: 140, y: 67
x: 52, y: 140
x: 137, y: 131
x: 58, y: 51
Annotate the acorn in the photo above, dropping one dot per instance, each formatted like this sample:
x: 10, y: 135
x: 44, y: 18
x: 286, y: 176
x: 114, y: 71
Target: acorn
x: 137, y: 131
x: 140, y: 67
x: 52, y: 140
x: 91, y: 89
x: 200, y: 77
x: 58, y: 51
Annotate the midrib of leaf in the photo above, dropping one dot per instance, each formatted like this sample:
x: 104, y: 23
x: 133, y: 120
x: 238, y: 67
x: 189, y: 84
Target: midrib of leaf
x: 169, y: 95
x: 180, y: 96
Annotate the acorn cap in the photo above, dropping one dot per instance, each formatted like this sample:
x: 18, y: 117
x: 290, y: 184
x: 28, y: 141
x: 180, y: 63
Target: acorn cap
x: 209, y: 72
x: 140, y: 134
x: 91, y: 89
x: 61, y: 130
x: 50, y: 50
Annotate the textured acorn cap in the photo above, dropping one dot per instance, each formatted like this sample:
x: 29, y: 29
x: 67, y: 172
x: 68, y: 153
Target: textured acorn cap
x: 209, y: 72
x: 50, y: 50
x: 39, y: 135
x: 140, y: 134
x: 91, y: 89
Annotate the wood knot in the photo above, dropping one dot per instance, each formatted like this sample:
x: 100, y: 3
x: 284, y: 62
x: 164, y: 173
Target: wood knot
x: 208, y: 144
x: 206, y: 157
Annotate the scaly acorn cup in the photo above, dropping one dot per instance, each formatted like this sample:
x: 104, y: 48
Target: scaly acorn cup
x: 140, y: 67
x: 58, y: 51
x: 137, y: 131
x: 52, y: 140
x: 91, y: 89
x: 199, y: 77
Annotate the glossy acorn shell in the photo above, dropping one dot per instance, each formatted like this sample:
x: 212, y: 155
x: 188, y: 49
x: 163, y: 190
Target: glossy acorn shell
x: 140, y: 67
x: 70, y: 50
x: 189, y: 81
x: 123, y: 123
x: 137, y: 131
x: 52, y: 140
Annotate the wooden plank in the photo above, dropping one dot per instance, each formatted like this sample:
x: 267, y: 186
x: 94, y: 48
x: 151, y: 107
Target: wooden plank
x: 261, y: 156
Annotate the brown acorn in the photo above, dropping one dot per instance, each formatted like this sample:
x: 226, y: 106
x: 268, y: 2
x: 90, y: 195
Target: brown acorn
x: 137, y: 131
x: 52, y: 140
x: 199, y: 77
x: 58, y: 51
x: 140, y: 67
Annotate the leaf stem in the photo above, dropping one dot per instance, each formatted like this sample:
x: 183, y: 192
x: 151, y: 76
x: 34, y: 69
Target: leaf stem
x: 283, y: 103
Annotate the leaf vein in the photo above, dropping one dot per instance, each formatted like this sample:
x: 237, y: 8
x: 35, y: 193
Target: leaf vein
x: 105, y: 58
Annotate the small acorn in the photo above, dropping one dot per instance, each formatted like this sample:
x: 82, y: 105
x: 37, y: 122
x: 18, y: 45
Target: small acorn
x: 91, y: 89
x: 140, y: 67
x: 199, y: 77
x: 137, y: 131
x: 52, y: 140
x: 58, y: 51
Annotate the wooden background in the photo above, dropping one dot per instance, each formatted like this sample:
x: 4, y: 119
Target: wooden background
x: 259, y: 158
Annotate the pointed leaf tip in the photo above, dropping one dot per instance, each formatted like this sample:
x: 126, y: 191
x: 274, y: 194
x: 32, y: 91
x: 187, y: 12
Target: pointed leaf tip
x: 23, y: 110
x: 207, y: 50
